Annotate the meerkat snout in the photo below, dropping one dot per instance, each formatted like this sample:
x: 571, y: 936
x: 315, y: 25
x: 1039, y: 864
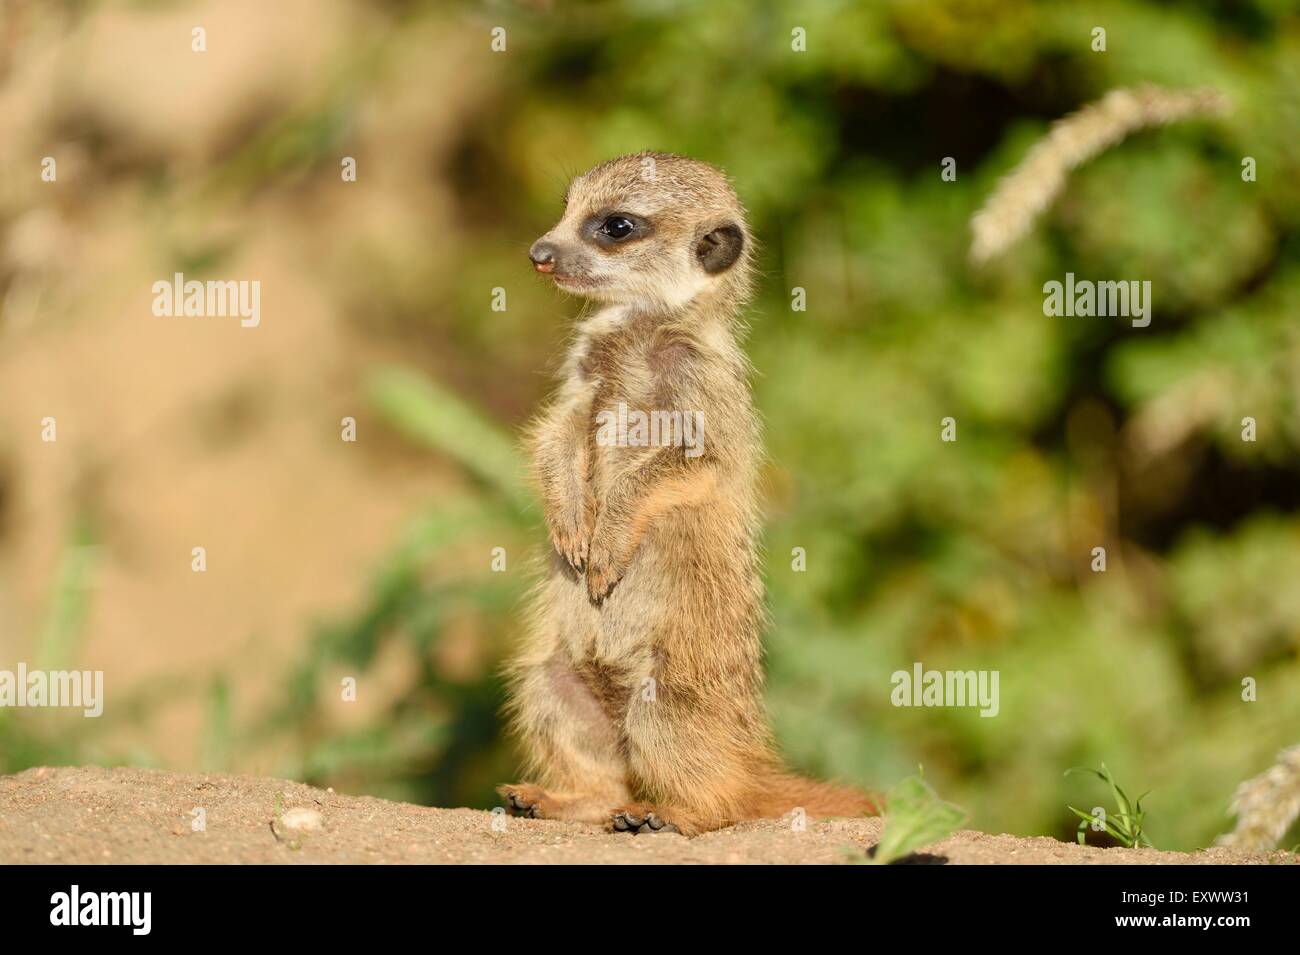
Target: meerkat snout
x: 543, y: 256
x: 650, y: 230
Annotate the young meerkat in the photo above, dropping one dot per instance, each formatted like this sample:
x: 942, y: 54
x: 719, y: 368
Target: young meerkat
x: 638, y: 690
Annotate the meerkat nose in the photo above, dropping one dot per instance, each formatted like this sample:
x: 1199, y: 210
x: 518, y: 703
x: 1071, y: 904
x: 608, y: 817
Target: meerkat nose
x: 543, y: 256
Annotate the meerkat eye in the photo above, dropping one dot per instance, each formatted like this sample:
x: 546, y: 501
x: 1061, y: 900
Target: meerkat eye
x: 617, y: 227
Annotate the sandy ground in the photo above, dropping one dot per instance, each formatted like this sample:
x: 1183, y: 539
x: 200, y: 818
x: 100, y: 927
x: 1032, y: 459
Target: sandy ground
x: 87, y: 815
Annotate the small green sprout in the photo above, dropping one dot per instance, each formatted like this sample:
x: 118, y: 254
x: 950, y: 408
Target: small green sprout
x: 1124, y: 826
x: 277, y: 826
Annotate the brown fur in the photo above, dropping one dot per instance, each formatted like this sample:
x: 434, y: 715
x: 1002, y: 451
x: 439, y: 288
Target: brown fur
x: 638, y: 690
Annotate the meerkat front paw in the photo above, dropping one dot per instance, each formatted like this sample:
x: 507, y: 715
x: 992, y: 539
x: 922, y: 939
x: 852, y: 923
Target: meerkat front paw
x: 602, y: 575
x: 571, y: 538
x: 571, y: 520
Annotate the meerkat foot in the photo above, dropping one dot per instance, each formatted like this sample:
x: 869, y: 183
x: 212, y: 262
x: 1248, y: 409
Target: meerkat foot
x: 534, y: 802
x: 641, y: 819
x: 525, y: 800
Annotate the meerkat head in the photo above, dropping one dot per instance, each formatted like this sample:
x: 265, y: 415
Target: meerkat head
x: 650, y: 228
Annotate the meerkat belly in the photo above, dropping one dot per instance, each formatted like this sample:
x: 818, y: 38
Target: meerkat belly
x: 686, y: 570
x: 685, y: 579
x: 576, y: 622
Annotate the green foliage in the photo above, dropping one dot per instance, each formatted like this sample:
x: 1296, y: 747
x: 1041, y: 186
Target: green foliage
x: 915, y: 817
x: 1125, y: 825
x: 441, y: 420
x: 54, y: 737
x: 434, y: 741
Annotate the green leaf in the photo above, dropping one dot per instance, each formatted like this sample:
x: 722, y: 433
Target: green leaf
x: 915, y: 817
x: 440, y: 419
x: 1124, y: 825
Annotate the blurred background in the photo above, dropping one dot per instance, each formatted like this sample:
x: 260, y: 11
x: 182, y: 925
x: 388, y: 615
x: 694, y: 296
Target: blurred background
x: 372, y: 559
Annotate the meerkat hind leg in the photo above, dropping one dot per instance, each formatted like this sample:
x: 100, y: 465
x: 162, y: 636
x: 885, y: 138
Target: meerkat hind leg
x: 572, y: 742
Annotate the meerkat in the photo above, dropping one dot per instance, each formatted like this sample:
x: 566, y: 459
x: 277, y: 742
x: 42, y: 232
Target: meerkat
x: 637, y: 693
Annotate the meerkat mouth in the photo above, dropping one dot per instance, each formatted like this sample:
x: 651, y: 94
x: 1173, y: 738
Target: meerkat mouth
x: 573, y: 281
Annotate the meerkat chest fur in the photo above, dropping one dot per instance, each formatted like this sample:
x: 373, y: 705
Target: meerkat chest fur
x: 660, y: 394
x: 668, y: 439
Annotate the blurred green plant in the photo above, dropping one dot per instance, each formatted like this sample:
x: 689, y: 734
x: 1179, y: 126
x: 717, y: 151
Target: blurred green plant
x: 60, y: 738
x: 438, y: 741
x: 915, y: 817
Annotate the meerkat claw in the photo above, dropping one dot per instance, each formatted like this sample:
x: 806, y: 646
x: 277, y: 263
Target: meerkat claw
x: 637, y: 824
x: 520, y: 807
x: 528, y: 810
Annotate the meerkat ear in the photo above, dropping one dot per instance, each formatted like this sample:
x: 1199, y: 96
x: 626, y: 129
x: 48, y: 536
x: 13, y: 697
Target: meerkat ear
x: 718, y: 249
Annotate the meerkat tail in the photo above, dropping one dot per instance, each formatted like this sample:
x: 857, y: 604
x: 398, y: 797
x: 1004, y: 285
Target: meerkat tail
x: 783, y: 792
x: 1031, y: 187
x: 1267, y: 805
